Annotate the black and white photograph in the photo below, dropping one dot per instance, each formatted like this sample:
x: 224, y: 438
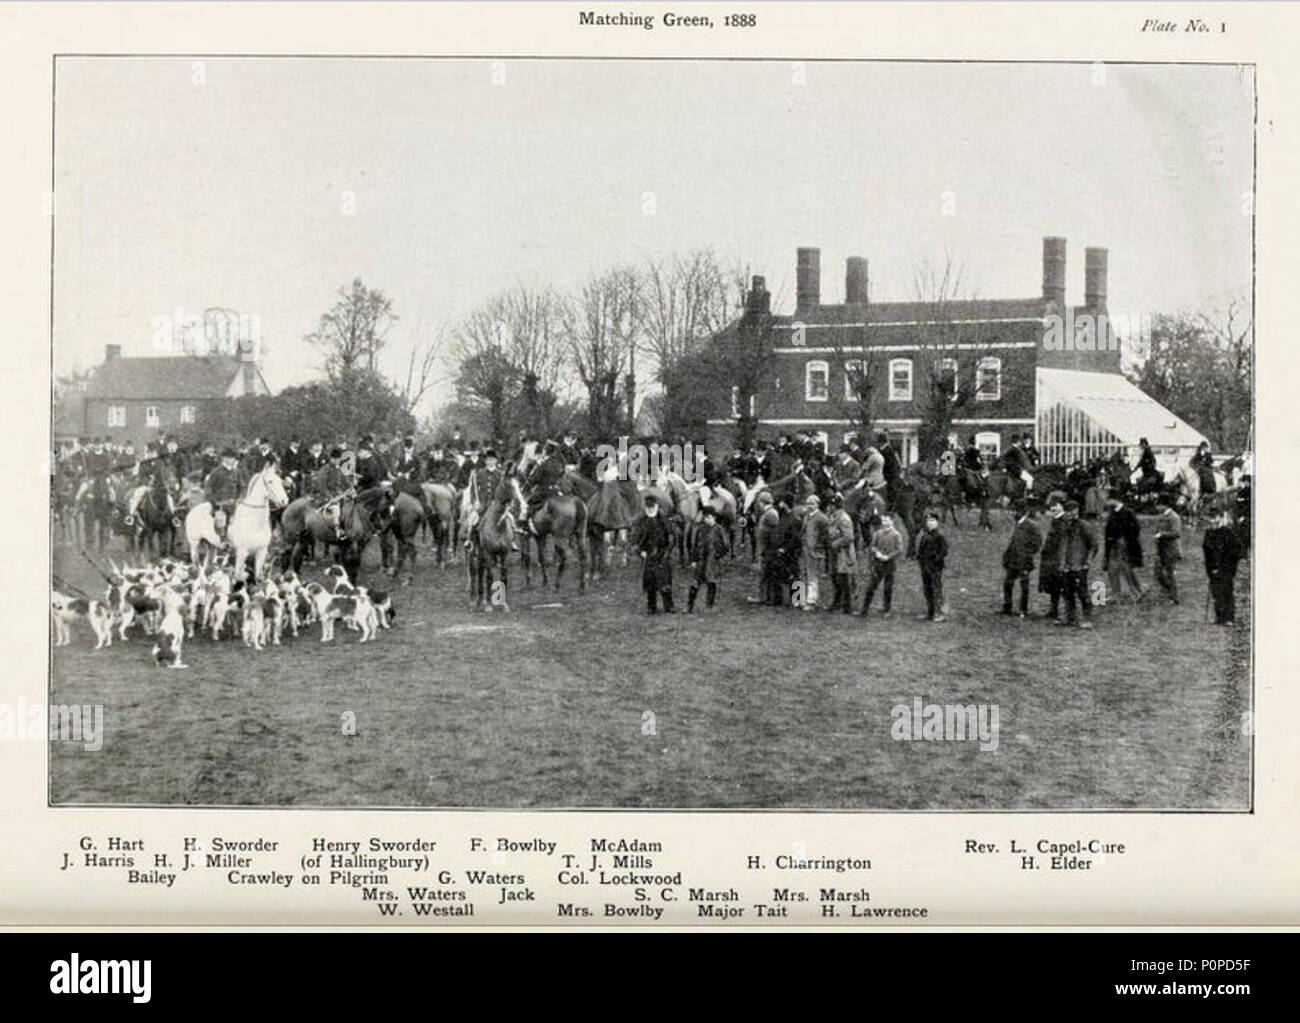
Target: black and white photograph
x: 652, y: 434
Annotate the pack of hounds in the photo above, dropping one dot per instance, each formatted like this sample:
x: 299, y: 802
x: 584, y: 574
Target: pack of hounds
x: 171, y: 601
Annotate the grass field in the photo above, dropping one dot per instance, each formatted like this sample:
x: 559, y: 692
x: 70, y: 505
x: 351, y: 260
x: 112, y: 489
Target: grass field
x: 752, y: 707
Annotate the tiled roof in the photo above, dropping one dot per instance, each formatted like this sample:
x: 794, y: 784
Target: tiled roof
x: 163, y: 377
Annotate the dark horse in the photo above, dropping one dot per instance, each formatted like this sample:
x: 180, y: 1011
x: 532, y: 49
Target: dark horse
x: 157, y: 521
x: 490, y: 540
x: 361, y: 518
x: 404, y: 525
x: 563, y: 519
x: 98, y: 502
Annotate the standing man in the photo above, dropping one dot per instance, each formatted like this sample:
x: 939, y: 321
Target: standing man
x: 1078, y: 545
x: 655, y: 545
x: 1169, y: 532
x: 766, y: 540
x: 931, y: 555
x: 843, y: 555
x: 1018, y: 558
x: 1049, y: 574
x: 886, y: 548
x: 708, y: 549
x: 789, y: 539
x: 1123, y: 551
x: 1222, y: 551
x: 815, y: 545
x: 891, y: 468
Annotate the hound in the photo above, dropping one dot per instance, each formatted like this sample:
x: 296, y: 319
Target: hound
x: 67, y: 610
x: 171, y: 632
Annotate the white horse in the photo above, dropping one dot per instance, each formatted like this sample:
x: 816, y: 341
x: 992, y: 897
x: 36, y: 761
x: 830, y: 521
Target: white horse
x: 250, y: 526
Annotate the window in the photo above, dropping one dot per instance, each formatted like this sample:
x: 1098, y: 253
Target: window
x: 117, y: 415
x: 900, y: 380
x: 852, y: 375
x: 188, y: 413
x: 990, y: 445
x: 816, y: 381
x: 988, y: 379
x: 735, y: 401
x: 150, y: 416
x: 946, y: 370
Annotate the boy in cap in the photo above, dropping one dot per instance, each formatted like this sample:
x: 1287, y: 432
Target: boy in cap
x: 707, y: 551
x: 931, y: 554
x: 886, y: 548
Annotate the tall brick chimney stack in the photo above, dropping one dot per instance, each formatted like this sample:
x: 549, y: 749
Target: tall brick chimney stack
x: 112, y: 352
x: 1094, y: 278
x: 808, y: 278
x: 1054, y: 270
x: 758, y: 300
x: 855, y: 281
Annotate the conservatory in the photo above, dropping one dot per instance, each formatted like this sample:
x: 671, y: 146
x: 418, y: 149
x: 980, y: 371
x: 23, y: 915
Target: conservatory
x: 1082, y: 415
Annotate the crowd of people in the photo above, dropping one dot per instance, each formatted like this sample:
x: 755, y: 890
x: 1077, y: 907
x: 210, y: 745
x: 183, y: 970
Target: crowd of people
x: 812, y: 552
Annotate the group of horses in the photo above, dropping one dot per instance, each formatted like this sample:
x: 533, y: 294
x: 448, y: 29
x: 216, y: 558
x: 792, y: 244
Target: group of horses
x: 590, y: 520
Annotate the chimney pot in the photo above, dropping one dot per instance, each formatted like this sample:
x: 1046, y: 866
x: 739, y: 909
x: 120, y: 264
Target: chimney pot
x: 1094, y: 277
x: 758, y: 300
x: 112, y: 352
x: 808, y: 278
x: 1054, y: 270
x: 855, y: 281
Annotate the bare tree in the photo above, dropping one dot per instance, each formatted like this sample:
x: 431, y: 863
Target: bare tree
x: 952, y: 352
x: 601, y: 326
x: 535, y: 346
x: 1200, y: 366
x: 487, y: 381
x: 354, y: 331
x: 423, y: 365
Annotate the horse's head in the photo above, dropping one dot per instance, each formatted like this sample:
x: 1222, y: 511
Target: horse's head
x: 275, y: 490
x: 516, y: 497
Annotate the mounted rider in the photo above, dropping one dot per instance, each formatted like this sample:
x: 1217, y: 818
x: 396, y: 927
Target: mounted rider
x: 373, y: 484
x: 1147, y: 464
x: 544, y: 480
x: 408, y: 473
x: 223, y: 487
x: 481, y: 491
x: 329, y: 484
x: 152, y: 473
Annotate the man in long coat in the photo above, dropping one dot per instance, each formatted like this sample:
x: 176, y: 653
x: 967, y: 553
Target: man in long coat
x: 655, y: 542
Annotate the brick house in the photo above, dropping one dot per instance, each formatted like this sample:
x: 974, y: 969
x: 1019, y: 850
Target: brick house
x: 1006, y: 366
x: 133, y: 400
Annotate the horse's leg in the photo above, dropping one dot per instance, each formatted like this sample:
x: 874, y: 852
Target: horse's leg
x: 505, y: 583
x: 561, y: 558
x: 525, y: 555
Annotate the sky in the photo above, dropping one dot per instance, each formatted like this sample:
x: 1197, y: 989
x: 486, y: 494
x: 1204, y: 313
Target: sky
x: 227, y: 184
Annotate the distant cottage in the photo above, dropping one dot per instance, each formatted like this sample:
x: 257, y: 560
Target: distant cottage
x: 133, y: 400
x: 1019, y: 373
